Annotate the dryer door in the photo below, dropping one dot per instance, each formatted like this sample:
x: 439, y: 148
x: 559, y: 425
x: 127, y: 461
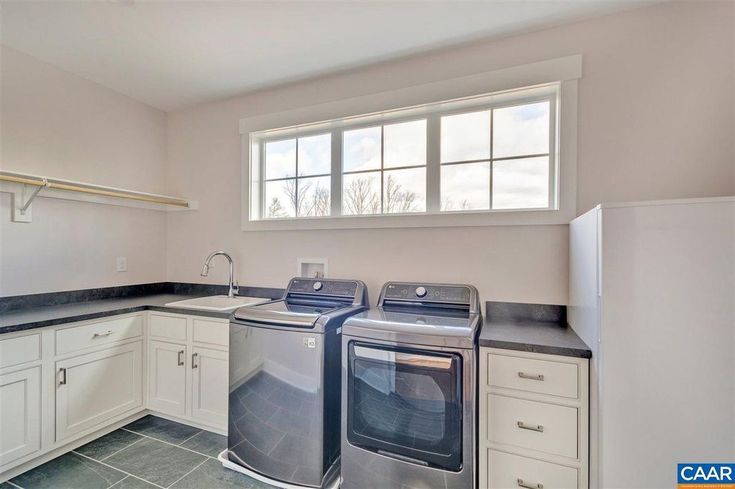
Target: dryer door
x: 406, y: 404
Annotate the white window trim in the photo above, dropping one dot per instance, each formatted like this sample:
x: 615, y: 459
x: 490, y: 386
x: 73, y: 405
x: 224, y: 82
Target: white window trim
x: 565, y: 71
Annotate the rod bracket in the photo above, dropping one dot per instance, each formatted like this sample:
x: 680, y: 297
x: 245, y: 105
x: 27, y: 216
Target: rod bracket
x: 22, y: 200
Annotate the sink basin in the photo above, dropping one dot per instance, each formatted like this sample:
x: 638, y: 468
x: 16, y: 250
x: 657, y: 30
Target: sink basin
x: 219, y: 303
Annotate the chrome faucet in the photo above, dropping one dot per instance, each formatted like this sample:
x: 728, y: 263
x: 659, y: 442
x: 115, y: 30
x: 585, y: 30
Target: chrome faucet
x: 234, y: 287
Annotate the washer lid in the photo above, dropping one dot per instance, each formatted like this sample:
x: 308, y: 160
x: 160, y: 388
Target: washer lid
x: 300, y: 314
x: 426, y: 326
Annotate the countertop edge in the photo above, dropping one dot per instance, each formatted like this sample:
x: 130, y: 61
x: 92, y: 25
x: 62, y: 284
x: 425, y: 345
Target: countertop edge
x: 534, y: 348
x: 43, y: 323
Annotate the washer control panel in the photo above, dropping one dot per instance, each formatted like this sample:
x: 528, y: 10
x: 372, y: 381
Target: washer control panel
x: 342, y: 288
x: 450, y: 294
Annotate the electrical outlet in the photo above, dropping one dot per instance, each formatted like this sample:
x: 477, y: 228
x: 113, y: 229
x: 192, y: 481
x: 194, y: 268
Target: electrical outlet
x: 121, y: 264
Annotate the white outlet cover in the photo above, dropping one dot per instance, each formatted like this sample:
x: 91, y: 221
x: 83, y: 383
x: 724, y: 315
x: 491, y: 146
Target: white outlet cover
x: 121, y: 264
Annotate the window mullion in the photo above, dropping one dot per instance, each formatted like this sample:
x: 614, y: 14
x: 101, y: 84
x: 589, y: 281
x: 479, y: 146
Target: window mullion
x: 336, y: 177
x: 433, y: 163
x: 382, y: 174
x: 296, y: 182
x: 263, y: 208
x: 492, y: 160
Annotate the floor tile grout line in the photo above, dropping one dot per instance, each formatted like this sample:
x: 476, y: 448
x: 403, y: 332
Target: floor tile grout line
x: 13, y: 483
x: 192, y: 436
x: 108, y: 456
x: 118, y: 482
x: 169, y: 443
x: 192, y: 470
x: 118, y: 451
x: 119, y: 470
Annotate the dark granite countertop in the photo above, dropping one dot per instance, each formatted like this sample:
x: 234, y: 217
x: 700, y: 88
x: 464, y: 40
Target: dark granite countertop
x: 34, y: 315
x: 531, y: 328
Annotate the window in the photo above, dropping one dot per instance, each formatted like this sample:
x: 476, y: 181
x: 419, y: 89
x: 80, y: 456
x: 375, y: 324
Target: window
x: 484, y: 154
x: 384, y: 169
x: 297, y: 177
x: 497, y: 158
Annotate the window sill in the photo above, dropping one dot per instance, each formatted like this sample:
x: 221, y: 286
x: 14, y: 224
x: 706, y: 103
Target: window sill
x: 531, y: 217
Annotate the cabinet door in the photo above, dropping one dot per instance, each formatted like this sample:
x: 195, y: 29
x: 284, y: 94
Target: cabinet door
x: 167, y: 377
x: 96, y: 387
x: 20, y: 414
x: 209, y: 393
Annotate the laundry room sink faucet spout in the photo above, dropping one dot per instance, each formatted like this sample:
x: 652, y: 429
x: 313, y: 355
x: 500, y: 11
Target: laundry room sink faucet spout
x: 234, y: 288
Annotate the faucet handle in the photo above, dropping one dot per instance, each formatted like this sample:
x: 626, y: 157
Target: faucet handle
x: 236, y: 288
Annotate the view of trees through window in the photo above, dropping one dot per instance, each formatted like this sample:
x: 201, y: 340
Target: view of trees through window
x: 494, y: 158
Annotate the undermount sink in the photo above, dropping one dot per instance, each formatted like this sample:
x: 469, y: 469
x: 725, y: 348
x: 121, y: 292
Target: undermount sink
x: 220, y: 303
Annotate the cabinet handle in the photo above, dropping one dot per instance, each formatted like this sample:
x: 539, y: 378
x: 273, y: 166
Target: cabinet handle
x: 532, y: 427
x: 529, y: 485
x: 193, y: 360
x: 181, y: 358
x: 99, y: 335
x: 524, y: 375
x: 62, y: 373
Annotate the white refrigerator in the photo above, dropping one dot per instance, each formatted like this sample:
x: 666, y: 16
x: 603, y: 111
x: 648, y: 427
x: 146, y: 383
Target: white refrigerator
x: 652, y: 292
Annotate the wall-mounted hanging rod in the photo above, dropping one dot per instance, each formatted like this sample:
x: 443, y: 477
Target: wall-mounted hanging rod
x: 24, y: 197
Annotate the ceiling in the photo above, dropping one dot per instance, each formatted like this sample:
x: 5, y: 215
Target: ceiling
x: 176, y: 54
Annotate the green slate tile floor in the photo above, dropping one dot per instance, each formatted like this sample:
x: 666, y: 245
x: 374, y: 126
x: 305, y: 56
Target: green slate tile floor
x: 150, y: 453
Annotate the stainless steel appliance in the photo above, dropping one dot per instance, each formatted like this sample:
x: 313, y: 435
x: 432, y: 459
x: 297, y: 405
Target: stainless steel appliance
x: 409, y: 389
x: 284, y: 413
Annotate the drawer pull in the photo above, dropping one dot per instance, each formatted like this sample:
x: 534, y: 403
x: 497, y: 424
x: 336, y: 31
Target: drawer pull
x: 194, y: 360
x: 100, y: 335
x: 532, y: 427
x: 524, y: 375
x: 529, y: 485
x: 62, y: 374
x: 181, y: 358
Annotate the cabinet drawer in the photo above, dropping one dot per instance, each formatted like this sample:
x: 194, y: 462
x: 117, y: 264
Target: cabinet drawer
x: 21, y: 349
x: 168, y: 327
x: 532, y: 375
x: 212, y: 332
x: 98, y: 333
x: 534, y: 425
x: 513, y: 471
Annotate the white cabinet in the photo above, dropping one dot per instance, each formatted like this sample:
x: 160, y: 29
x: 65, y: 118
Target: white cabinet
x: 188, y: 368
x: 61, y: 383
x: 210, y: 381
x: 651, y: 292
x: 20, y: 414
x: 533, y: 420
x: 96, y: 387
x: 167, y: 378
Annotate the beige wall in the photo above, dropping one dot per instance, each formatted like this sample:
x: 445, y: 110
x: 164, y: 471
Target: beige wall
x: 655, y: 121
x: 57, y: 124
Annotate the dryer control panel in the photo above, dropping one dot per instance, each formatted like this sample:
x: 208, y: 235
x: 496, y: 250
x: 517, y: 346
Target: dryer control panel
x: 427, y: 294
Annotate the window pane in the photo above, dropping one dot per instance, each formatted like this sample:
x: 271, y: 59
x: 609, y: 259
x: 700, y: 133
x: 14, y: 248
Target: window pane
x: 361, y: 149
x: 315, y: 155
x: 404, y: 190
x: 279, y: 201
x: 521, y: 184
x: 361, y: 193
x: 314, y: 196
x: 465, y: 137
x: 405, y: 144
x: 521, y: 130
x: 465, y: 187
x: 280, y: 159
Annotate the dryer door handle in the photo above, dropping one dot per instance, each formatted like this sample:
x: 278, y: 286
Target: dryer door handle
x: 413, y: 359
